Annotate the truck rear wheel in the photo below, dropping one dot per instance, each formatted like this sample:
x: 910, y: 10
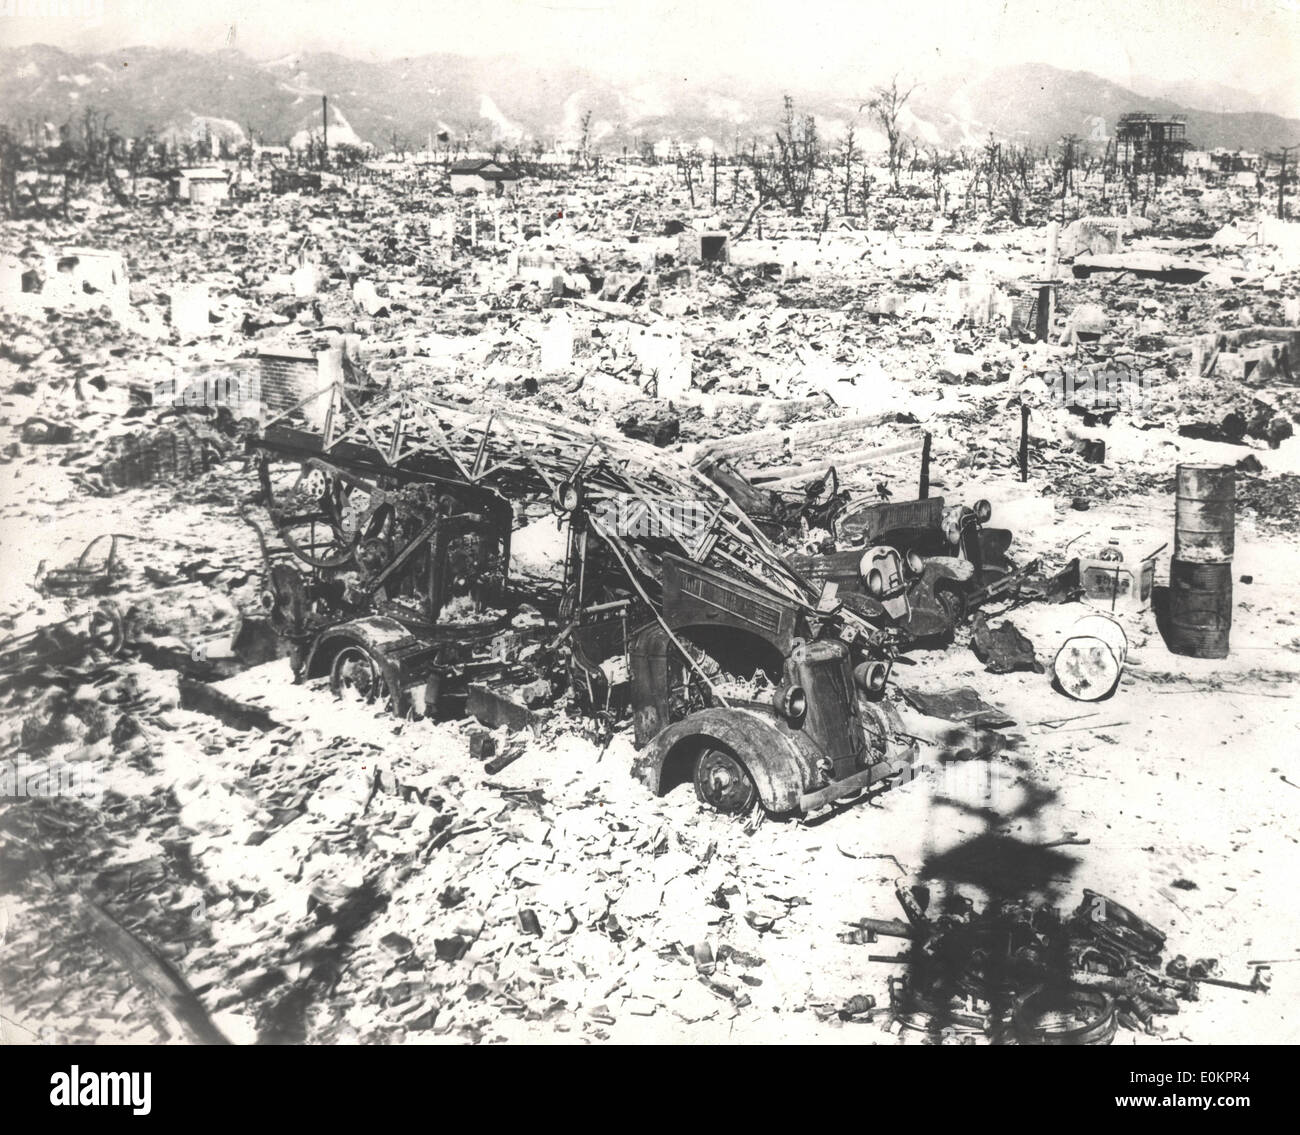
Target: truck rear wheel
x: 723, y: 782
x: 355, y: 676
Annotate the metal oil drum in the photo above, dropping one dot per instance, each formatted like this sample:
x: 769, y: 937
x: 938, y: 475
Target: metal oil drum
x: 1204, y: 514
x: 1200, y: 609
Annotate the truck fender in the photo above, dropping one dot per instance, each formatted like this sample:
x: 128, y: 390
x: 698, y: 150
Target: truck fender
x: 783, y: 764
x: 375, y: 634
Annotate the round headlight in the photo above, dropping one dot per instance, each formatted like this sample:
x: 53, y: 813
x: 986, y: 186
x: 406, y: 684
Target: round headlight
x: 568, y: 496
x: 871, y: 677
x: 914, y: 563
x: 983, y: 510
x: 875, y: 583
x: 268, y: 600
x: 791, y: 701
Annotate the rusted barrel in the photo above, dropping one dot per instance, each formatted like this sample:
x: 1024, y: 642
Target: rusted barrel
x: 1204, y: 515
x: 1200, y: 608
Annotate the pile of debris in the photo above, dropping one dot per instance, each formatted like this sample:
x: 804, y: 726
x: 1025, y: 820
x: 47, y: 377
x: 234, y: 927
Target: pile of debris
x: 1018, y: 973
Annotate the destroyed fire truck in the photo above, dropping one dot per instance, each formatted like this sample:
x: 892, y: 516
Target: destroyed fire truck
x: 392, y: 576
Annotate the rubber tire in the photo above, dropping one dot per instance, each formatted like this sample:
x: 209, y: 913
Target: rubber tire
x: 354, y: 653
x: 737, y: 802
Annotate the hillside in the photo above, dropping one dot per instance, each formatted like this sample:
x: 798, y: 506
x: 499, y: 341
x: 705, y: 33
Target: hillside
x: 404, y: 102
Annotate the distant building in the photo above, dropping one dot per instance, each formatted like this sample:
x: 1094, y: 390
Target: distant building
x: 1234, y: 161
x: 1152, y: 143
x: 483, y: 176
x: 294, y: 181
x: 271, y: 154
x: 389, y: 169
x: 207, y: 186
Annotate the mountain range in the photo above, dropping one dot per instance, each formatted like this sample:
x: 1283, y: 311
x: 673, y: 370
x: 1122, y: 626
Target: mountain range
x: 403, y: 103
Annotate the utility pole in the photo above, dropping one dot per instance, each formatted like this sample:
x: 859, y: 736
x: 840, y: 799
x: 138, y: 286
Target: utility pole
x: 1281, y: 181
x: 325, y: 126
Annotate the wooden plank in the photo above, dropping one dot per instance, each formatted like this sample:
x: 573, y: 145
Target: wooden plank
x: 758, y: 440
x: 805, y: 471
x: 149, y: 970
x: 840, y: 464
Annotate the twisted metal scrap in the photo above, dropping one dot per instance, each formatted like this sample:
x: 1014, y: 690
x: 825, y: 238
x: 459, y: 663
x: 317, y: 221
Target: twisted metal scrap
x: 539, y: 453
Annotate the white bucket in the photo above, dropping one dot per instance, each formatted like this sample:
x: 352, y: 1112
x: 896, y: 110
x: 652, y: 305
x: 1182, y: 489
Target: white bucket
x: 1090, y: 661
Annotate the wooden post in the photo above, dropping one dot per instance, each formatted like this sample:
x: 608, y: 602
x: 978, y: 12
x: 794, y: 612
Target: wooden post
x: 1281, y: 183
x: 1043, y: 312
x: 923, y: 492
x: 1281, y: 189
x: 1024, y: 443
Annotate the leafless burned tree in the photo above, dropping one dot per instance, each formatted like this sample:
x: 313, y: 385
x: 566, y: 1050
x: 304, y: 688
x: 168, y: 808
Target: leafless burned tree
x: 887, y: 104
x: 849, y: 152
x: 798, y: 156
x: 584, y: 146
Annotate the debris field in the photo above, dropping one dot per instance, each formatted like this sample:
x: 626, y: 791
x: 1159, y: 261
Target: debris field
x: 596, y: 614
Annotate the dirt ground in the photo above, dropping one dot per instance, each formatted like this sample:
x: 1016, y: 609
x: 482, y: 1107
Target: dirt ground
x: 1181, y: 785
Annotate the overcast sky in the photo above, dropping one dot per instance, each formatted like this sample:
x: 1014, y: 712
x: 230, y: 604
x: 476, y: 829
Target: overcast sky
x: 1250, y: 44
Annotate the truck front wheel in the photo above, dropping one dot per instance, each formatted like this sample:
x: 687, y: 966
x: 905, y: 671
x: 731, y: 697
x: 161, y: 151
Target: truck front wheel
x: 723, y: 783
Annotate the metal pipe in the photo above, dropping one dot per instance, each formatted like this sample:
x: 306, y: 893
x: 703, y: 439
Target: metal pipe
x: 890, y: 927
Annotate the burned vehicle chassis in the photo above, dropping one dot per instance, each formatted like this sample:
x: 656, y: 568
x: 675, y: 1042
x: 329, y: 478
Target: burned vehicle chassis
x: 917, y: 568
